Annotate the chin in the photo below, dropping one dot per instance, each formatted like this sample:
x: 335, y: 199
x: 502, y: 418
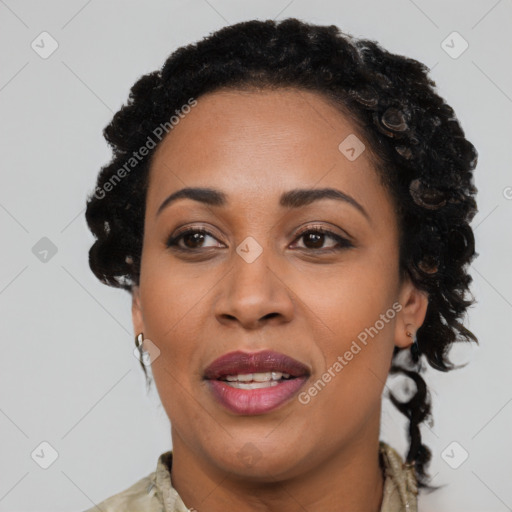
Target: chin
x: 256, y: 461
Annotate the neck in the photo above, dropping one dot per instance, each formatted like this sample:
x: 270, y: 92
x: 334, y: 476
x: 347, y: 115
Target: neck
x: 348, y: 480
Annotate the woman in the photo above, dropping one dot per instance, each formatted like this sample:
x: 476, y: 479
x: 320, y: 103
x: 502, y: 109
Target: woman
x: 289, y: 208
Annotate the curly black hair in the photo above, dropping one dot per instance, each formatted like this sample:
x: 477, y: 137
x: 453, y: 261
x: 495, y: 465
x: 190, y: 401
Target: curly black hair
x: 415, y: 142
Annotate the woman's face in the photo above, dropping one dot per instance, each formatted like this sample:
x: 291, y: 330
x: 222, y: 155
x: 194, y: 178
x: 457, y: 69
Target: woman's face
x: 262, y: 277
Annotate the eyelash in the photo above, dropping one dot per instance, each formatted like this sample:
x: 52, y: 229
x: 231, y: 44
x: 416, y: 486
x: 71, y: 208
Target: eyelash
x: 173, y: 241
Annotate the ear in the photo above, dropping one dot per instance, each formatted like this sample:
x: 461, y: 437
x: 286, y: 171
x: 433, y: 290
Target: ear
x: 137, y: 319
x: 410, y: 318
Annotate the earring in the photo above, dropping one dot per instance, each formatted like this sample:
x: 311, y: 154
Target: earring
x: 139, y: 340
x: 415, y: 349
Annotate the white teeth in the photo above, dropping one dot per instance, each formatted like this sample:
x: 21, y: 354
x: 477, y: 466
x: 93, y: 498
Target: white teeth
x: 262, y: 377
x: 253, y: 385
x: 257, y: 377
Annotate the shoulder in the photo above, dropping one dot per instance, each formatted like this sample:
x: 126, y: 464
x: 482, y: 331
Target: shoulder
x: 153, y: 493
x: 400, y: 485
x: 140, y: 497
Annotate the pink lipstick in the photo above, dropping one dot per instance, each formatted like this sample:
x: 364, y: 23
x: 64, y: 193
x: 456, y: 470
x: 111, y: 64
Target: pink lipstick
x: 255, y: 383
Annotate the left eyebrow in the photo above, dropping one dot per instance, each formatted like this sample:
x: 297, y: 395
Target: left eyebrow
x: 302, y: 197
x: 295, y: 198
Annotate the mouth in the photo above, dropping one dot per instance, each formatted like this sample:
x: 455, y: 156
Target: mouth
x: 255, y: 383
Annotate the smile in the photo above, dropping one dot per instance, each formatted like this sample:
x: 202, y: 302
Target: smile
x: 255, y: 383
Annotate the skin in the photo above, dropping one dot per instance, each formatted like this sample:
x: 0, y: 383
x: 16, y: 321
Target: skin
x: 297, y: 298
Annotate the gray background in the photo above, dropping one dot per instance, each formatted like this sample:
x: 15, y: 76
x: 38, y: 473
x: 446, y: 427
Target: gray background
x: 68, y: 374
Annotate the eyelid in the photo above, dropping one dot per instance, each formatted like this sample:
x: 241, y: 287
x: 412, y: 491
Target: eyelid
x: 188, y: 228
x: 316, y: 226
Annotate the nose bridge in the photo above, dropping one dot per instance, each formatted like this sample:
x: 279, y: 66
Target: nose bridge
x: 253, y: 290
x: 251, y: 266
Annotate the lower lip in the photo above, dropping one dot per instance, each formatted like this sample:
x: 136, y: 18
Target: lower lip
x: 255, y: 401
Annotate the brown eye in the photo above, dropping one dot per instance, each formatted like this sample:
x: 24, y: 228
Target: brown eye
x: 314, y: 238
x: 192, y: 239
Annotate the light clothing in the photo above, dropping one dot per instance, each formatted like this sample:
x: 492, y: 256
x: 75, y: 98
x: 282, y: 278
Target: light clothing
x: 155, y: 493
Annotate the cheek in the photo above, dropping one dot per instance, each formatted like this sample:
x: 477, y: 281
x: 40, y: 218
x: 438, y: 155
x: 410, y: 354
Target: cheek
x: 346, y: 393
x: 345, y: 300
x: 171, y: 297
x: 172, y: 305
x: 355, y: 336
x: 359, y: 346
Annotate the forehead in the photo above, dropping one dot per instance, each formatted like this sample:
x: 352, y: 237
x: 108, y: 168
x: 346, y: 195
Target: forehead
x: 260, y: 143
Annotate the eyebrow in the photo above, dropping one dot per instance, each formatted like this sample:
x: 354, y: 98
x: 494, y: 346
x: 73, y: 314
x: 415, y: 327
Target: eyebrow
x: 292, y: 199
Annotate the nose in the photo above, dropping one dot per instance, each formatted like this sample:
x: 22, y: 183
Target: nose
x: 254, y: 294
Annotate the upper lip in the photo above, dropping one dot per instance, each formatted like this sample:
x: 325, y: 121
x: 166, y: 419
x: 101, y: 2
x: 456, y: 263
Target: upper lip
x: 239, y: 362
